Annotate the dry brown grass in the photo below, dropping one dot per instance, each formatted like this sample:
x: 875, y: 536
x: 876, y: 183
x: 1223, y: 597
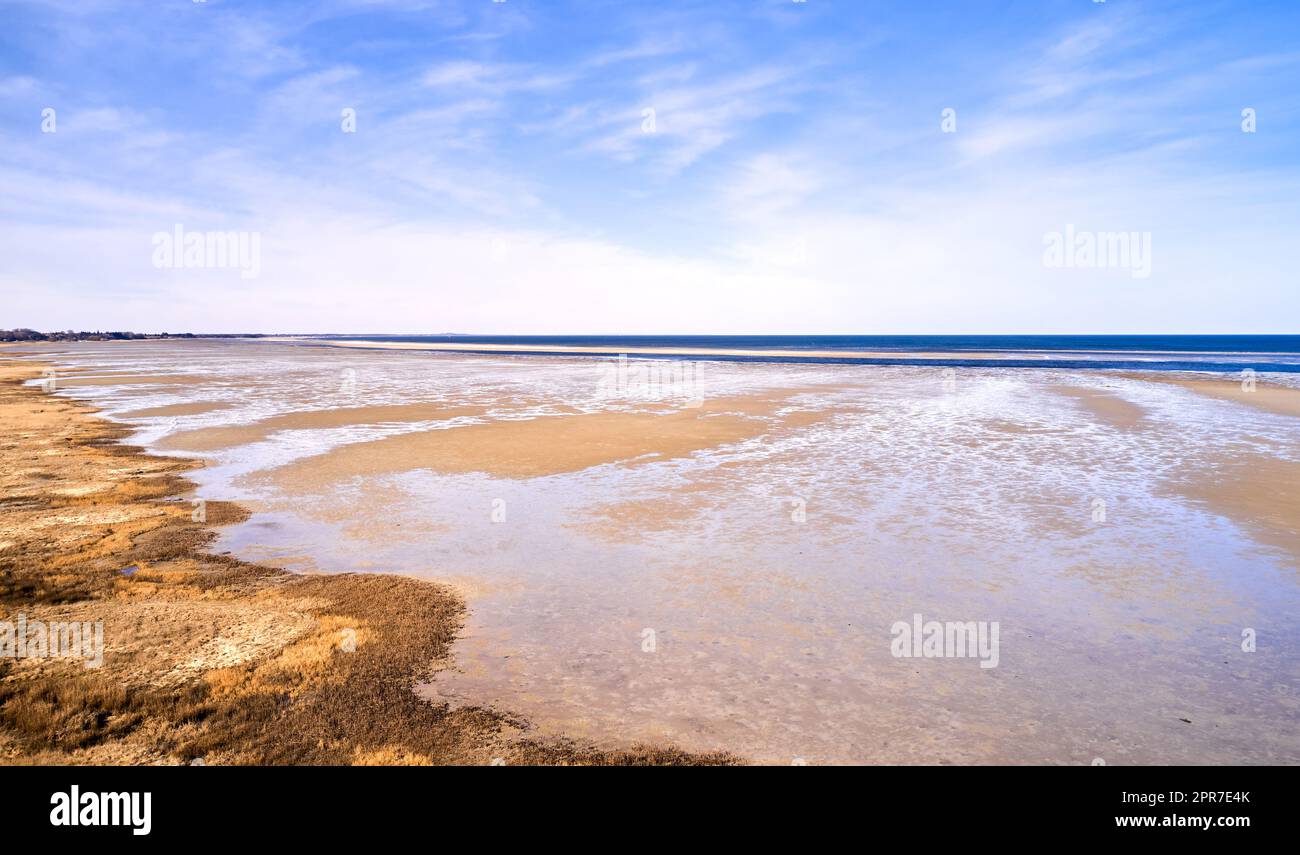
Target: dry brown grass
x: 66, y: 713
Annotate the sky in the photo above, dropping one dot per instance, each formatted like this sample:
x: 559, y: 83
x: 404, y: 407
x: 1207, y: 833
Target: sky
x: 747, y: 167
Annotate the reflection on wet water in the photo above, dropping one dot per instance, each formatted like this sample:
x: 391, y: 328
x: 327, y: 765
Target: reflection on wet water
x: 741, y: 595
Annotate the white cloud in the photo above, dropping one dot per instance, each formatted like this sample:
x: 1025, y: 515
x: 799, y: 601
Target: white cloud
x: 813, y: 201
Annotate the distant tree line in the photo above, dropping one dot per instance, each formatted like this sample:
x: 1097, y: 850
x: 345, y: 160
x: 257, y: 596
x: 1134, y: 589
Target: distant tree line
x: 98, y: 335
x: 69, y: 335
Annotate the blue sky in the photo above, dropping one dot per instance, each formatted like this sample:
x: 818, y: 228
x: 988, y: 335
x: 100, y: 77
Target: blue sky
x: 503, y: 176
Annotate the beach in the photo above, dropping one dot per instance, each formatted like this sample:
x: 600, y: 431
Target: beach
x: 536, y: 564
x: 209, y: 659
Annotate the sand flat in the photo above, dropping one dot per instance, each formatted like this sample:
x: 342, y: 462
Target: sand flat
x: 1104, y: 406
x: 1282, y: 400
x: 134, y: 379
x: 1257, y: 491
x: 191, y: 409
x: 217, y: 438
x: 547, y: 445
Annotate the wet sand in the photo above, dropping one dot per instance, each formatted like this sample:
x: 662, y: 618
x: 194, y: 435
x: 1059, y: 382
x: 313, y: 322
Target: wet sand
x: 213, y: 439
x: 543, y: 446
x: 1261, y: 493
x: 1272, y: 398
x: 127, y: 379
x: 1110, y: 408
x: 194, y: 409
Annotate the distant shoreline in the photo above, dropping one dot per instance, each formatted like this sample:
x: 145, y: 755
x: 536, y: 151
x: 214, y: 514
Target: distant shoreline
x: 1157, y: 360
x: 29, y: 336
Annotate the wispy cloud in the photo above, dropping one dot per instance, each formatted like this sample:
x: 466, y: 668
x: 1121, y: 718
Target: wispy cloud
x: 722, y: 166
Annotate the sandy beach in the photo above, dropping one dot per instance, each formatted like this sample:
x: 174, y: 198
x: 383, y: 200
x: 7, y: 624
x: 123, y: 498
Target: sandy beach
x: 209, y: 658
x: 535, y: 569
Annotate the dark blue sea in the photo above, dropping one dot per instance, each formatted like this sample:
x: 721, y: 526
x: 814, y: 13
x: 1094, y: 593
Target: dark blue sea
x: 1143, y: 352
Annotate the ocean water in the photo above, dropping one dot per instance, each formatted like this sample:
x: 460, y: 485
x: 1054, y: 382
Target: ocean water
x: 770, y: 571
x: 1277, y: 353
